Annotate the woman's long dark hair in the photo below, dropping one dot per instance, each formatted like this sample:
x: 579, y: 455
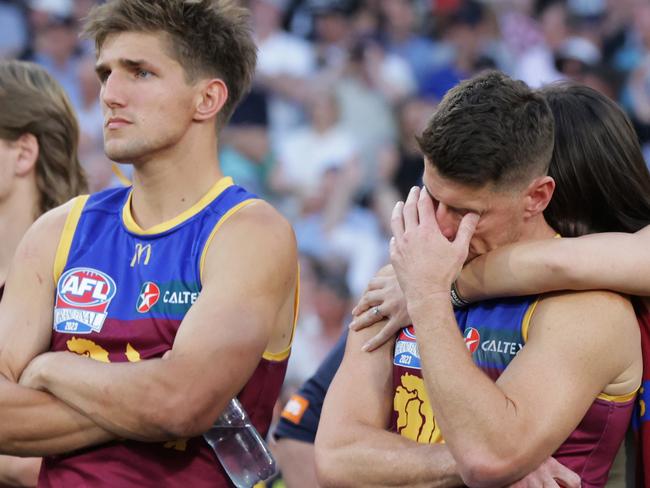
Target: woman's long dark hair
x: 603, y: 183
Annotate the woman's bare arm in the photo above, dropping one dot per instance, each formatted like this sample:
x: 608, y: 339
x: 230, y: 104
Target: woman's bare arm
x: 613, y: 261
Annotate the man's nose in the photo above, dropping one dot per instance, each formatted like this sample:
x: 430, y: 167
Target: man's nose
x: 111, y: 93
x: 447, y: 221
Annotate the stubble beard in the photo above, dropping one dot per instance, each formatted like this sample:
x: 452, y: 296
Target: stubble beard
x: 127, y: 151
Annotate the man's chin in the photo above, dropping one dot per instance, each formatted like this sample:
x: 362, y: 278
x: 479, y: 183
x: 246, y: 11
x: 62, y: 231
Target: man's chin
x: 119, y: 155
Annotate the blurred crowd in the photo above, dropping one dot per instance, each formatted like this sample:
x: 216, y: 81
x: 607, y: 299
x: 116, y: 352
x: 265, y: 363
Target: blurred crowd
x: 342, y: 87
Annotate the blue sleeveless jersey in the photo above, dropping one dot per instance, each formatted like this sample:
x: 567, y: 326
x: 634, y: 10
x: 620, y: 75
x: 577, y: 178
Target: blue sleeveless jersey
x: 495, y: 331
x: 117, y: 273
x: 121, y: 295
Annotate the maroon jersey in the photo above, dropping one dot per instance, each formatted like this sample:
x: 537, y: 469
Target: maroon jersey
x: 125, y: 303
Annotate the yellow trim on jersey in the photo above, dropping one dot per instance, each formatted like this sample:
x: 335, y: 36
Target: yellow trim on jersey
x: 270, y: 356
x: 213, y: 193
x: 222, y: 220
x: 65, y: 241
x: 117, y: 171
x: 525, y: 323
x: 619, y: 398
x: 281, y: 356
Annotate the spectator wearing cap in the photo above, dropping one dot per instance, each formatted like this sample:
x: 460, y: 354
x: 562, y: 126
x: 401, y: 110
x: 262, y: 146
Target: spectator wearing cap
x: 575, y: 55
x: 333, y: 31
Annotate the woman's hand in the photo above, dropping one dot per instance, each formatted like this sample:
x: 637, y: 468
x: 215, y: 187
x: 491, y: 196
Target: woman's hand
x: 550, y: 474
x: 383, y: 299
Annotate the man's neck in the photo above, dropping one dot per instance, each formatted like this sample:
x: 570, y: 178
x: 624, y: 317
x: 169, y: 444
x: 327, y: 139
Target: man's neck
x: 169, y: 183
x: 537, y: 228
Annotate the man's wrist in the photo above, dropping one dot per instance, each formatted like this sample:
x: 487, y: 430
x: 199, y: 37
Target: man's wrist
x: 425, y: 306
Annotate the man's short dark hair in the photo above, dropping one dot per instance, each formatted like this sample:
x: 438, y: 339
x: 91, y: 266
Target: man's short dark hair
x: 490, y: 130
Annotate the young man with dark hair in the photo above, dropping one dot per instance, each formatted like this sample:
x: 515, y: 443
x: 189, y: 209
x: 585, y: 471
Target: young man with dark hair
x: 521, y: 381
x: 170, y: 297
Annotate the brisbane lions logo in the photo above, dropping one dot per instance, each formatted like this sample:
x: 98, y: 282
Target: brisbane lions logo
x: 415, y: 419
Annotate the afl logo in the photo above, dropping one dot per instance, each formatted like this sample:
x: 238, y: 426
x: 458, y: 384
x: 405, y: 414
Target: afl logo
x: 85, y: 287
x: 149, y: 295
x: 82, y: 299
x: 409, y: 332
x: 472, y: 339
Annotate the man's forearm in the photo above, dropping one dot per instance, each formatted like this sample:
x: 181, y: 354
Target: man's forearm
x: 33, y: 423
x: 134, y: 400
x: 377, y: 458
x: 470, y: 408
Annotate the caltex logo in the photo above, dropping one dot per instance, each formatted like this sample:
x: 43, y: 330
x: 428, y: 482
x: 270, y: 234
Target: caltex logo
x: 472, y: 339
x: 149, y: 295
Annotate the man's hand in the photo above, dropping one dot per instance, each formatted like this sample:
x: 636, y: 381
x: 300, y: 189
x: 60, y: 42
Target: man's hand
x: 425, y: 261
x: 550, y: 474
x: 383, y: 299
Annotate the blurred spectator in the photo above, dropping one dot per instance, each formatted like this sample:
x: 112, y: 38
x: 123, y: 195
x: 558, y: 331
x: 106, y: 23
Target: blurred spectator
x: 371, y: 80
x: 537, y: 66
x: 284, y: 65
x: 338, y: 232
x: 308, y: 152
x: 520, y: 31
x: 575, y: 55
x: 13, y: 29
x: 91, y: 124
x: 89, y: 112
x: 244, y: 149
x: 634, y: 33
x: 400, y: 36
x: 401, y: 165
x: 470, y: 36
x: 321, y: 322
x: 55, y: 45
x: 333, y: 31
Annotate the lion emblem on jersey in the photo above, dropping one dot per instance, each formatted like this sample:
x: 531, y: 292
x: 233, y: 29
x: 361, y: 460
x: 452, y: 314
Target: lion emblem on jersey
x: 415, y: 418
x: 88, y: 348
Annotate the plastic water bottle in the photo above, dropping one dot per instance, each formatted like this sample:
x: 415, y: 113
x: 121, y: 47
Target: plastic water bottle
x: 240, y: 448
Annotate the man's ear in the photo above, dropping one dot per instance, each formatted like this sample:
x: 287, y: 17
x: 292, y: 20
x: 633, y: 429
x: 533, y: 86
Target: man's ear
x: 538, y: 195
x: 27, y: 154
x: 211, y: 99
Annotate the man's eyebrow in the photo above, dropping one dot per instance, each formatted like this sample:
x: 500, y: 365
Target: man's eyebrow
x: 133, y: 63
x: 128, y: 63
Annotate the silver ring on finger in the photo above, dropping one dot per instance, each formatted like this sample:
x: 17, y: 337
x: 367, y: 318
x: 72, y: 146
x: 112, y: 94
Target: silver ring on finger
x: 375, y: 311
